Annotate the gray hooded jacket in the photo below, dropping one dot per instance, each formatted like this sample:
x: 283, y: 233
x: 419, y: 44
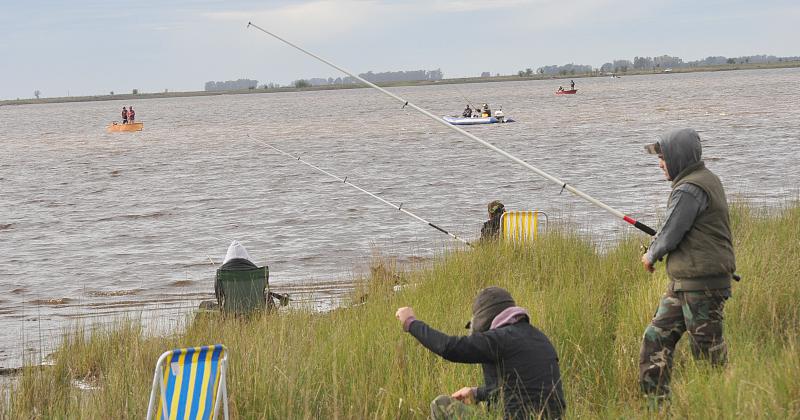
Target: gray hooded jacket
x: 681, y: 149
x: 696, y: 233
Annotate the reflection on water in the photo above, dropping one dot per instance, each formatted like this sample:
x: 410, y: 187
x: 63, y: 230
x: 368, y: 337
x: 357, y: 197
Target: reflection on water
x: 95, y: 226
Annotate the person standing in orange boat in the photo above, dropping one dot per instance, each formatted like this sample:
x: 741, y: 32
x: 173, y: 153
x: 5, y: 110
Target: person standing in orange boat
x: 131, y: 114
x: 124, y: 115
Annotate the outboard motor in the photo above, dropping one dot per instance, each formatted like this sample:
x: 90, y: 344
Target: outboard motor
x: 499, y: 115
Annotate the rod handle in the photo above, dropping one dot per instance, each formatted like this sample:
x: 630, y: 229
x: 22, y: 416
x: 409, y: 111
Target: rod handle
x: 644, y: 228
x: 639, y: 225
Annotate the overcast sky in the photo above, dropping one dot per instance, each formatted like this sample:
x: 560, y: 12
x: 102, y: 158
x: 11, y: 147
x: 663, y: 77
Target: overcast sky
x: 87, y: 47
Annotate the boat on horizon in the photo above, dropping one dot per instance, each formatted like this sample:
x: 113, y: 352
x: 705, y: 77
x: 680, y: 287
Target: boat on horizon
x: 116, y: 127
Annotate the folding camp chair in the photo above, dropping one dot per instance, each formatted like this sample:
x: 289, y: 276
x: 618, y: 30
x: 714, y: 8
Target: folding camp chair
x: 191, y: 382
x: 522, y: 225
x: 243, y: 291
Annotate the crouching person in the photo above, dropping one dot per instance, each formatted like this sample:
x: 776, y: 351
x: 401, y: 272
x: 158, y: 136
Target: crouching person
x: 520, y: 365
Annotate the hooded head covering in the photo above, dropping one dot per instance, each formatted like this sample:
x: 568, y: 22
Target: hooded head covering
x: 495, y: 207
x: 679, y: 149
x: 487, y: 305
x: 236, y: 250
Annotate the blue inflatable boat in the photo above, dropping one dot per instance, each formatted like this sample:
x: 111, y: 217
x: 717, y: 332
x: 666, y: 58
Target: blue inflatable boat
x: 474, y: 121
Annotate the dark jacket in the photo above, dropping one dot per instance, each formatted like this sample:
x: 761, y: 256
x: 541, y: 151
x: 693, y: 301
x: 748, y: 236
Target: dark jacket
x: 520, y: 366
x: 491, y: 228
x: 238, y: 264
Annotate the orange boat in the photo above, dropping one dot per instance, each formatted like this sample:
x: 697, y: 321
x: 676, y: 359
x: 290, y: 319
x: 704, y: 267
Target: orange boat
x: 567, y: 92
x: 116, y: 127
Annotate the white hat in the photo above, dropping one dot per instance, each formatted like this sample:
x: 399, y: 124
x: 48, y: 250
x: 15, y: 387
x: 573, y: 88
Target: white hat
x: 236, y: 250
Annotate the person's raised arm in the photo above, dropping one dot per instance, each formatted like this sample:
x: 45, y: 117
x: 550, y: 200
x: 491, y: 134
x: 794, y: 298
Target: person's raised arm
x: 475, y: 348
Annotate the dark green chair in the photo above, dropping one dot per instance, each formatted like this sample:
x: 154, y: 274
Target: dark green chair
x: 243, y: 291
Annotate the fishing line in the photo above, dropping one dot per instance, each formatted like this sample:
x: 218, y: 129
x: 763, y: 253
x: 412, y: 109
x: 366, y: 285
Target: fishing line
x: 639, y: 225
x: 345, y: 181
x: 464, y: 96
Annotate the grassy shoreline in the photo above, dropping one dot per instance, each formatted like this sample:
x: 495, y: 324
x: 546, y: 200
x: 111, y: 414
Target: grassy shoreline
x: 159, y: 95
x: 356, y: 362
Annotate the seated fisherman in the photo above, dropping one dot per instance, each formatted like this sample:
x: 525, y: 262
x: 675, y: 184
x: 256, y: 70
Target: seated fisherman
x: 491, y: 228
x: 236, y: 259
x: 247, y: 283
x: 467, y: 112
x: 486, y: 112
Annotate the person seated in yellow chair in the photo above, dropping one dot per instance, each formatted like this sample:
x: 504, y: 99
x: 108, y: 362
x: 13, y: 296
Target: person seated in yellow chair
x: 491, y: 227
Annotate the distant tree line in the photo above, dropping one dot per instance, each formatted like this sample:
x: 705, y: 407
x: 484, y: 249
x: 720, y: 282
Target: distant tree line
x: 659, y: 63
x: 382, y: 77
x: 231, y: 85
x: 651, y: 63
x: 564, y: 70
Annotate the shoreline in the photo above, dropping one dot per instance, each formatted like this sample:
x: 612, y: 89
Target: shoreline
x: 465, y: 80
x: 592, y: 307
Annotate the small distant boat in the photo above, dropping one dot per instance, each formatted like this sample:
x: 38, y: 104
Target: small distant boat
x: 475, y: 121
x: 116, y: 127
x: 567, y: 92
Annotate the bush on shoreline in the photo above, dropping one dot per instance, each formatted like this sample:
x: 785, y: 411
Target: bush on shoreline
x: 357, y: 363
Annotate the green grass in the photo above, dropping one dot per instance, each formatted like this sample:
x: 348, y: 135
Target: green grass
x: 357, y: 363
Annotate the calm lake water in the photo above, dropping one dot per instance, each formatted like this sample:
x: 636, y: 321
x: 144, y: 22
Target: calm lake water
x: 95, y: 226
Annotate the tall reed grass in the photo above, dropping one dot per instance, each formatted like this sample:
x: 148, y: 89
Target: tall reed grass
x: 355, y: 362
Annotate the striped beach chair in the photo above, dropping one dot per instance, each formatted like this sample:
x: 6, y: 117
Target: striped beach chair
x: 191, y: 382
x: 522, y: 225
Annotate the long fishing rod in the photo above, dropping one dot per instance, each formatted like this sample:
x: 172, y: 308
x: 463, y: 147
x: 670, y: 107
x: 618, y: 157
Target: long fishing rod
x: 464, y: 96
x: 564, y: 186
x: 345, y: 181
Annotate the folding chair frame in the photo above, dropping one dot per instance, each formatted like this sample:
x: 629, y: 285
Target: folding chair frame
x: 222, y: 393
x: 523, y: 236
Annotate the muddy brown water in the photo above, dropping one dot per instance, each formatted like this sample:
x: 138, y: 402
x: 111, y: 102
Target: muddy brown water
x: 95, y: 226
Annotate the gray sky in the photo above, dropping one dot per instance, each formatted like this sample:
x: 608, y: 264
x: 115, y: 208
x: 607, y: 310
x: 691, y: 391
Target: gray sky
x: 87, y: 47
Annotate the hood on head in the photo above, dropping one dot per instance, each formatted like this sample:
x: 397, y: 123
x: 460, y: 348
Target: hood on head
x: 489, y: 303
x: 496, y: 207
x: 681, y: 149
x: 236, y: 250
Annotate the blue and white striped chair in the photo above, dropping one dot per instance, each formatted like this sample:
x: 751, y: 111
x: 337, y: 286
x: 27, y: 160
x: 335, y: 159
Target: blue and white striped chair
x: 191, y: 382
x: 522, y: 226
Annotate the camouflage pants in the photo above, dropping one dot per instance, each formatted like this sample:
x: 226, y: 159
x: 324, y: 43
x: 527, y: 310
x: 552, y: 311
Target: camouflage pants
x: 700, y: 314
x: 445, y: 407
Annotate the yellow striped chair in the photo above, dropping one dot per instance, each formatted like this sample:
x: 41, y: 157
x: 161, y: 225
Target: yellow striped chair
x: 191, y: 382
x: 522, y: 225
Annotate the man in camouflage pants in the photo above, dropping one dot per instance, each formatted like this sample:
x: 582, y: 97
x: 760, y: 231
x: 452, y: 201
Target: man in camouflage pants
x: 696, y: 239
